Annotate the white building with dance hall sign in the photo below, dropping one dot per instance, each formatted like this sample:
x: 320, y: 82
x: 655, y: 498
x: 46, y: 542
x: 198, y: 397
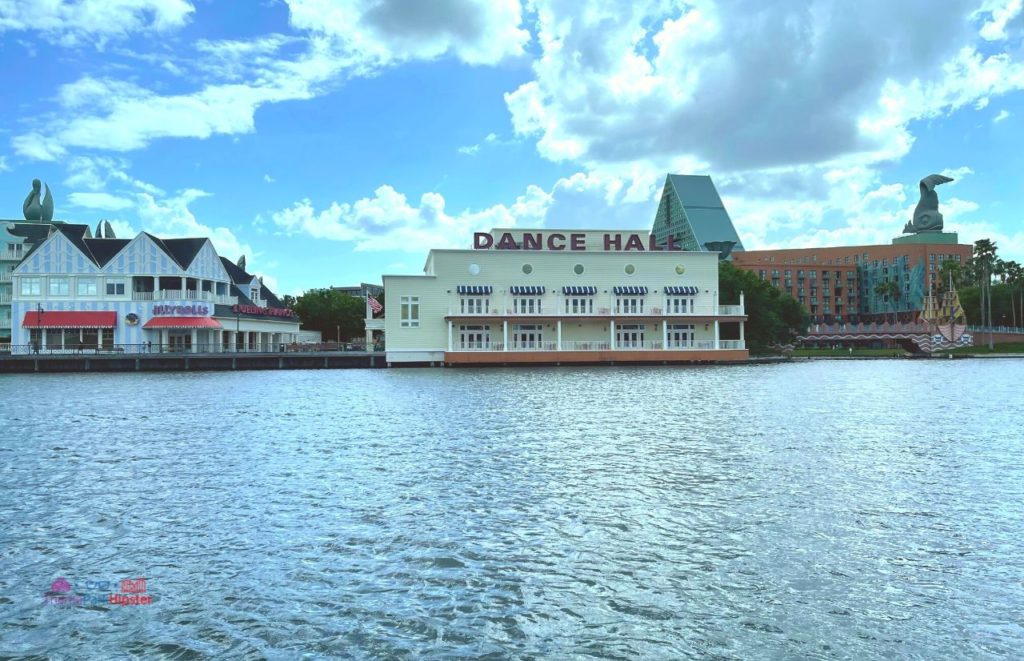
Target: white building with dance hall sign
x: 563, y: 296
x: 76, y: 293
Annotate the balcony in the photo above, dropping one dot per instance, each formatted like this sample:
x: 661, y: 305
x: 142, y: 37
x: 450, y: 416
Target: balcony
x: 178, y: 295
x: 700, y: 310
x: 5, y: 276
x: 11, y: 255
x: 5, y: 298
x: 599, y: 345
x: 5, y: 322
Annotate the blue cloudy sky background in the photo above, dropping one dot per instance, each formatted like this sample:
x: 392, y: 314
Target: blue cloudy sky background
x: 332, y: 141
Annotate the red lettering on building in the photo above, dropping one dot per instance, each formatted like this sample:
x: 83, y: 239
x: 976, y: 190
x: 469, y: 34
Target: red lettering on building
x: 552, y: 245
x: 507, y: 242
x: 577, y: 242
x: 482, y: 240
x: 634, y: 242
x: 532, y: 241
x: 612, y: 240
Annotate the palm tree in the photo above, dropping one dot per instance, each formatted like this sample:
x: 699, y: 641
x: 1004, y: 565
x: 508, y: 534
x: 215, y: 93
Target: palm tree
x: 984, y: 262
x: 1015, y: 279
x: 947, y: 269
x: 891, y: 291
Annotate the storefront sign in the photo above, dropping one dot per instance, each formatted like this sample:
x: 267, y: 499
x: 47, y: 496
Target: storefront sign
x: 575, y: 242
x: 266, y: 312
x: 186, y: 310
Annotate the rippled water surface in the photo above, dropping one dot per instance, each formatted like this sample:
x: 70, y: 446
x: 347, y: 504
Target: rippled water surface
x: 841, y: 509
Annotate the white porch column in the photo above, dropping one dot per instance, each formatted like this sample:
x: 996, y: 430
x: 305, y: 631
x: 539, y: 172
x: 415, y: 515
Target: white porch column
x: 716, y: 333
x: 743, y: 310
x: 504, y: 335
x: 611, y: 334
x: 99, y: 337
x: 449, y: 335
x: 183, y: 281
x: 558, y: 346
x: 195, y: 340
x: 742, y: 323
x: 232, y: 341
x: 369, y: 340
x: 664, y: 334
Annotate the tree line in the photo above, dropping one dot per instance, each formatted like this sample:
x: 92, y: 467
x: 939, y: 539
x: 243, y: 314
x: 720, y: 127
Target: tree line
x: 338, y: 316
x: 991, y: 289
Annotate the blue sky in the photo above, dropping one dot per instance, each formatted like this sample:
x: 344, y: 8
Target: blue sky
x: 335, y: 141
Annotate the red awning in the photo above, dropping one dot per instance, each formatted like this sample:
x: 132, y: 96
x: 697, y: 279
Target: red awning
x: 182, y: 322
x: 69, y: 319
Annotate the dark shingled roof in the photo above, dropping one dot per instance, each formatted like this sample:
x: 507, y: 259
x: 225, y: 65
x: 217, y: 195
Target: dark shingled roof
x: 33, y: 232
x: 103, y: 250
x: 240, y: 275
x: 234, y: 272
x: 77, y: 235
x: 184, y: 250
x: 160, y: 244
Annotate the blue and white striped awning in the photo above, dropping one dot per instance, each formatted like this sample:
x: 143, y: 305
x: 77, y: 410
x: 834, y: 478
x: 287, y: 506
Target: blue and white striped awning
x: 579, y: 291
x: 630, y: 290
x: 526, y: 290
x: 478, y: 290
x: 682, y: 290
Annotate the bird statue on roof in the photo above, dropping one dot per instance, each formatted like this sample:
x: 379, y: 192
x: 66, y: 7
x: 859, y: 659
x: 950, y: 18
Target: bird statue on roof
x: 926, y: 215
x: 38, y: 208
x: 241, y: 262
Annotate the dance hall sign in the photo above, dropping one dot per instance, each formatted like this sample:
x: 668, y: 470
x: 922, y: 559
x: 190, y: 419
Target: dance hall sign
x: 572, y: 241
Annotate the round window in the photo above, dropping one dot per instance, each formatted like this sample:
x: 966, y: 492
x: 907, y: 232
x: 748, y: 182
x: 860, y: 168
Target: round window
x: 527, y: 269
x: 630, y: 269
x: 474, y: 269
x: 578, y: 269
x: 680, y: 269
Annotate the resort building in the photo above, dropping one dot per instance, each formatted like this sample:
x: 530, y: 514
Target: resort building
x: 74, y: 292
x: 562, y: 296
x: 838, y: 285
x: 692, y: 213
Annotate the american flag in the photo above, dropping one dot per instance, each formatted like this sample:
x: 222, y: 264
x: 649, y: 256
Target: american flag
x: 374, y: 304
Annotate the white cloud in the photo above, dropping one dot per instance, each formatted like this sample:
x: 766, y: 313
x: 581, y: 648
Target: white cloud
x: 473, y: 150
x: 96, y: 173
x: 386, y: 31
x: 171, y: 217
x: 104, y: 201
x: 1000, y: 13
x: 1003, y: 114
x: 388, y: 222
x: 267, y: 178
x: 74, y: 22
x: 3, y: 164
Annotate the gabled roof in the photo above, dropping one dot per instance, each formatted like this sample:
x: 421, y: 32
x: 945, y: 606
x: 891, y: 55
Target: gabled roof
x: 104, y: 250
x: 184, y: 251
x: 76, y: 234
x: 163, y: 246
x: 704, y: 209
x: 237, y: 275
x: 241, y: 276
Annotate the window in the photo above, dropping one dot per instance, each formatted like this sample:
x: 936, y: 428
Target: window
x: 578, y: 269
x: 410, y: 311
x: 629, y: 305
x: 526, y: 305
x: 527, y: 269
x: 579, y: 305
x: 680, y: 305
x: 474, y: 337
x: 630, y: 336
x: 31, y: 286
x: 474, y: 305
x: 527, y: 336
x: 86, y: 286
x: 680, y: 269
x: 60, y: 286
x: 115, y: 288
x: 254, y: 294
x: 630, y: 269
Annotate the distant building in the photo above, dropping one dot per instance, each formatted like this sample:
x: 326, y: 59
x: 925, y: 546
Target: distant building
x: 692, y: 213
x: 74, y: 292
x: 361, y: 291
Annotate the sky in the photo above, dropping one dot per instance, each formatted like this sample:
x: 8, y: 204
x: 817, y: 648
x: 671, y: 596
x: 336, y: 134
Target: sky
x: 331, y: 141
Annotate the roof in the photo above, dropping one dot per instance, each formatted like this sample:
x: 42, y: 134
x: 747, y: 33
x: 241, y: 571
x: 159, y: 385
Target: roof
x: 704, y: 209
x: 184, y: 251
x: 104, y: 250
x: 76, y: 234
x: 69, y: 319
x: 241, y: 276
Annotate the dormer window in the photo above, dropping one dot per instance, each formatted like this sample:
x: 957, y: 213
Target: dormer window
x: 254, y: 294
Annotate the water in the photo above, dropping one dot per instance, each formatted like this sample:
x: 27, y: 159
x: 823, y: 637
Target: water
x: 862, y: 509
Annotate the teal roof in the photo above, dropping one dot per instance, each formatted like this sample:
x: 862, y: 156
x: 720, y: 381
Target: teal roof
x: 704, y: 209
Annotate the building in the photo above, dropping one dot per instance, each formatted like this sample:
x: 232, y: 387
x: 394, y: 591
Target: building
x: 692, y: 214
x: 570, y: 296
x: 362, y: 290
x: 73, y: 292
x: 17, y: 239
x: 837, y: 284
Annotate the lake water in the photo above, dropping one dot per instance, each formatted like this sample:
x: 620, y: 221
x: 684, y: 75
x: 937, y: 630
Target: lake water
x: 828, y: 509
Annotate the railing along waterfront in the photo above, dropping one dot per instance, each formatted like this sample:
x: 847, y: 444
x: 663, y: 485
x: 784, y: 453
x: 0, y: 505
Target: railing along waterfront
x: 598, y: 345
x: 176, y: 349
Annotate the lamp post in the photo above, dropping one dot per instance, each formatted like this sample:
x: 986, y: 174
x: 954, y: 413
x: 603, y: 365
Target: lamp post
x: 39, y: 325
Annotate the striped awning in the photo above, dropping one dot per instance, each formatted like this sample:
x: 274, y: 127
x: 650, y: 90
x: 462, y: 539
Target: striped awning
x: 683, y: 290
x: 630, y: 290
x: 526, y: 290
x: 479, y: 290
x: 69, y: 319
x: 579, y: 291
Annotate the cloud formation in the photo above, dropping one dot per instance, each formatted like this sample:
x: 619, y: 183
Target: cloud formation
x: 93, y: 22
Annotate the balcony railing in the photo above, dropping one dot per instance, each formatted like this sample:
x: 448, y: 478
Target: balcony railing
x: 597, y: 345
x: 177, y: 295
x: 5, y: 298
x: 5, y: 276
x: 5, y: 322
x: 11, y: 256
x: 701, y: 310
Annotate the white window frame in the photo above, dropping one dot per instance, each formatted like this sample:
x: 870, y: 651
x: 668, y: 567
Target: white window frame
x: 79, y: 282
x: 26, y: 287
x: 680, y: 328
x: 474, y: 305
x: 579, y: 304
x: 114, y: 284
x: 410, y: 311
x: 529, y: 305
x: 629, y: 304
x: 55, y: 281
x: 680, y: 305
